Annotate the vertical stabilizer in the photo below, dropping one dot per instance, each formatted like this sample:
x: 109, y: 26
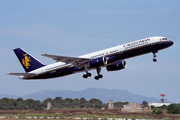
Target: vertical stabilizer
x: 28, y: 62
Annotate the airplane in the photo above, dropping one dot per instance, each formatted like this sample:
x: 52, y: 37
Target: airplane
x: 111, y: 58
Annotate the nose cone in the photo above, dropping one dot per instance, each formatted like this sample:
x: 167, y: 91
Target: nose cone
x: 167, y: 43
x: 171, y: 42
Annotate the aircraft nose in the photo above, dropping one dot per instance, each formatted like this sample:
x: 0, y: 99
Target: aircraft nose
x: 171, y: 42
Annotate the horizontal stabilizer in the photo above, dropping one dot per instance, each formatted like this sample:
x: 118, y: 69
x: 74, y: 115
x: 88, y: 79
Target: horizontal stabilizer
x: 22, y: 74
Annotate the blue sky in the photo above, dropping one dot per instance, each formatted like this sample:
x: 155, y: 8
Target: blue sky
x: 77, y: 27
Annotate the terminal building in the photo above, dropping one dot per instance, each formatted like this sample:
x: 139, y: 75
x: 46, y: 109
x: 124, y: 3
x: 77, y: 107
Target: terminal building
x: 131, y: 107
x: 158, y: 104
x: 161, y: 102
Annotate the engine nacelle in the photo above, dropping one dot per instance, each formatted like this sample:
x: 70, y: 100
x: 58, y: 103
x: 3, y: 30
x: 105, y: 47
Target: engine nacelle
x: 98, y: 62
x: 116, y: 66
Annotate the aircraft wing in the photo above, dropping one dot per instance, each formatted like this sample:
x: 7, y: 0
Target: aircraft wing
x: 76, y: 61
x: 22, y: 74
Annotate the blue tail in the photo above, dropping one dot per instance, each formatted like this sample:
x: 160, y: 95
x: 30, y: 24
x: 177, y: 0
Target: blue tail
x: 28, y: 62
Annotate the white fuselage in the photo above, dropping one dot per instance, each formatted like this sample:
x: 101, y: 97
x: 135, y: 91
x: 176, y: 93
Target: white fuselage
x: 120, y: 49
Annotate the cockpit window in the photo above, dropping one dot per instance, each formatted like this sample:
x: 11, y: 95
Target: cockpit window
x: 164, y: 39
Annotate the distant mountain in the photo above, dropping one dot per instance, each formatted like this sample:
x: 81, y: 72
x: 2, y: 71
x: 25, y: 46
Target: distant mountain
x: 100, y: 93
x: 8, y: 96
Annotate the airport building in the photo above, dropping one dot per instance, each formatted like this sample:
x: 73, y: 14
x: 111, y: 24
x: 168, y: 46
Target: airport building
x: 131, y: 107
x: 161, y: 102
x: 158, y: 104
x: 111, y: 104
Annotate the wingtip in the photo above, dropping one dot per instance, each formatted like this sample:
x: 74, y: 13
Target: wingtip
x: 43, y: 54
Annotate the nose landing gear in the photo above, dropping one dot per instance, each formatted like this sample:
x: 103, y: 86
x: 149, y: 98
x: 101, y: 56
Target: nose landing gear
x: 154, y: 56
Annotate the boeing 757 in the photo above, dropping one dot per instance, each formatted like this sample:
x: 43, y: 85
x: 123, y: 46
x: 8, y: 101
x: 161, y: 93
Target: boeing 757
x: 112, y: 59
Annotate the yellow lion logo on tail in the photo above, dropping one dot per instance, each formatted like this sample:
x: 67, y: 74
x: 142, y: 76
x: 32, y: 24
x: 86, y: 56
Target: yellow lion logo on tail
x: 26, y: 61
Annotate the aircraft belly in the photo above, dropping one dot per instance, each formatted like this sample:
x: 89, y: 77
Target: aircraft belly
x: 57, y: 73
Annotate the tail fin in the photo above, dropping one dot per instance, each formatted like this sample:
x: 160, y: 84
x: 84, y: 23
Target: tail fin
x: 28, y: 62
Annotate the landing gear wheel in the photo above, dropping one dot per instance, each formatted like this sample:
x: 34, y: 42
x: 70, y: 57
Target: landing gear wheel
x: 98, y: 69
x: 96, y: 78
x: 100, y: 76
x: 154, y: 60
x: 89, y: 74
x: 85, y: 76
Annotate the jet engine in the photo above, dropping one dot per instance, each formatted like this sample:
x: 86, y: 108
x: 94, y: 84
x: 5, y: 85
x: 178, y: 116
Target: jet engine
x: 98, y: 62
x: 116, y: 66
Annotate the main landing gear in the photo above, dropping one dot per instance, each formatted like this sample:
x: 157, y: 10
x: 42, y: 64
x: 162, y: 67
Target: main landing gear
x: 99, y: 75
x: 89, y: 74
x: 154, y: 56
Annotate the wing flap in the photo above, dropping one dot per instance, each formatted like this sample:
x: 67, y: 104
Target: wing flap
x: 76, y: 61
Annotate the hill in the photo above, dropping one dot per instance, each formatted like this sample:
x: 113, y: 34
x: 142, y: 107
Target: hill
x: 100, y: 93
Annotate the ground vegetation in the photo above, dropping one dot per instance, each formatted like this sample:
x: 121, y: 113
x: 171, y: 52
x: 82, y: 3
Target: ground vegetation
x: 58, y: 102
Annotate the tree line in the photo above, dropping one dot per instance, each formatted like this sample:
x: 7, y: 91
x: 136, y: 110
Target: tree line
x: 58, y: 102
